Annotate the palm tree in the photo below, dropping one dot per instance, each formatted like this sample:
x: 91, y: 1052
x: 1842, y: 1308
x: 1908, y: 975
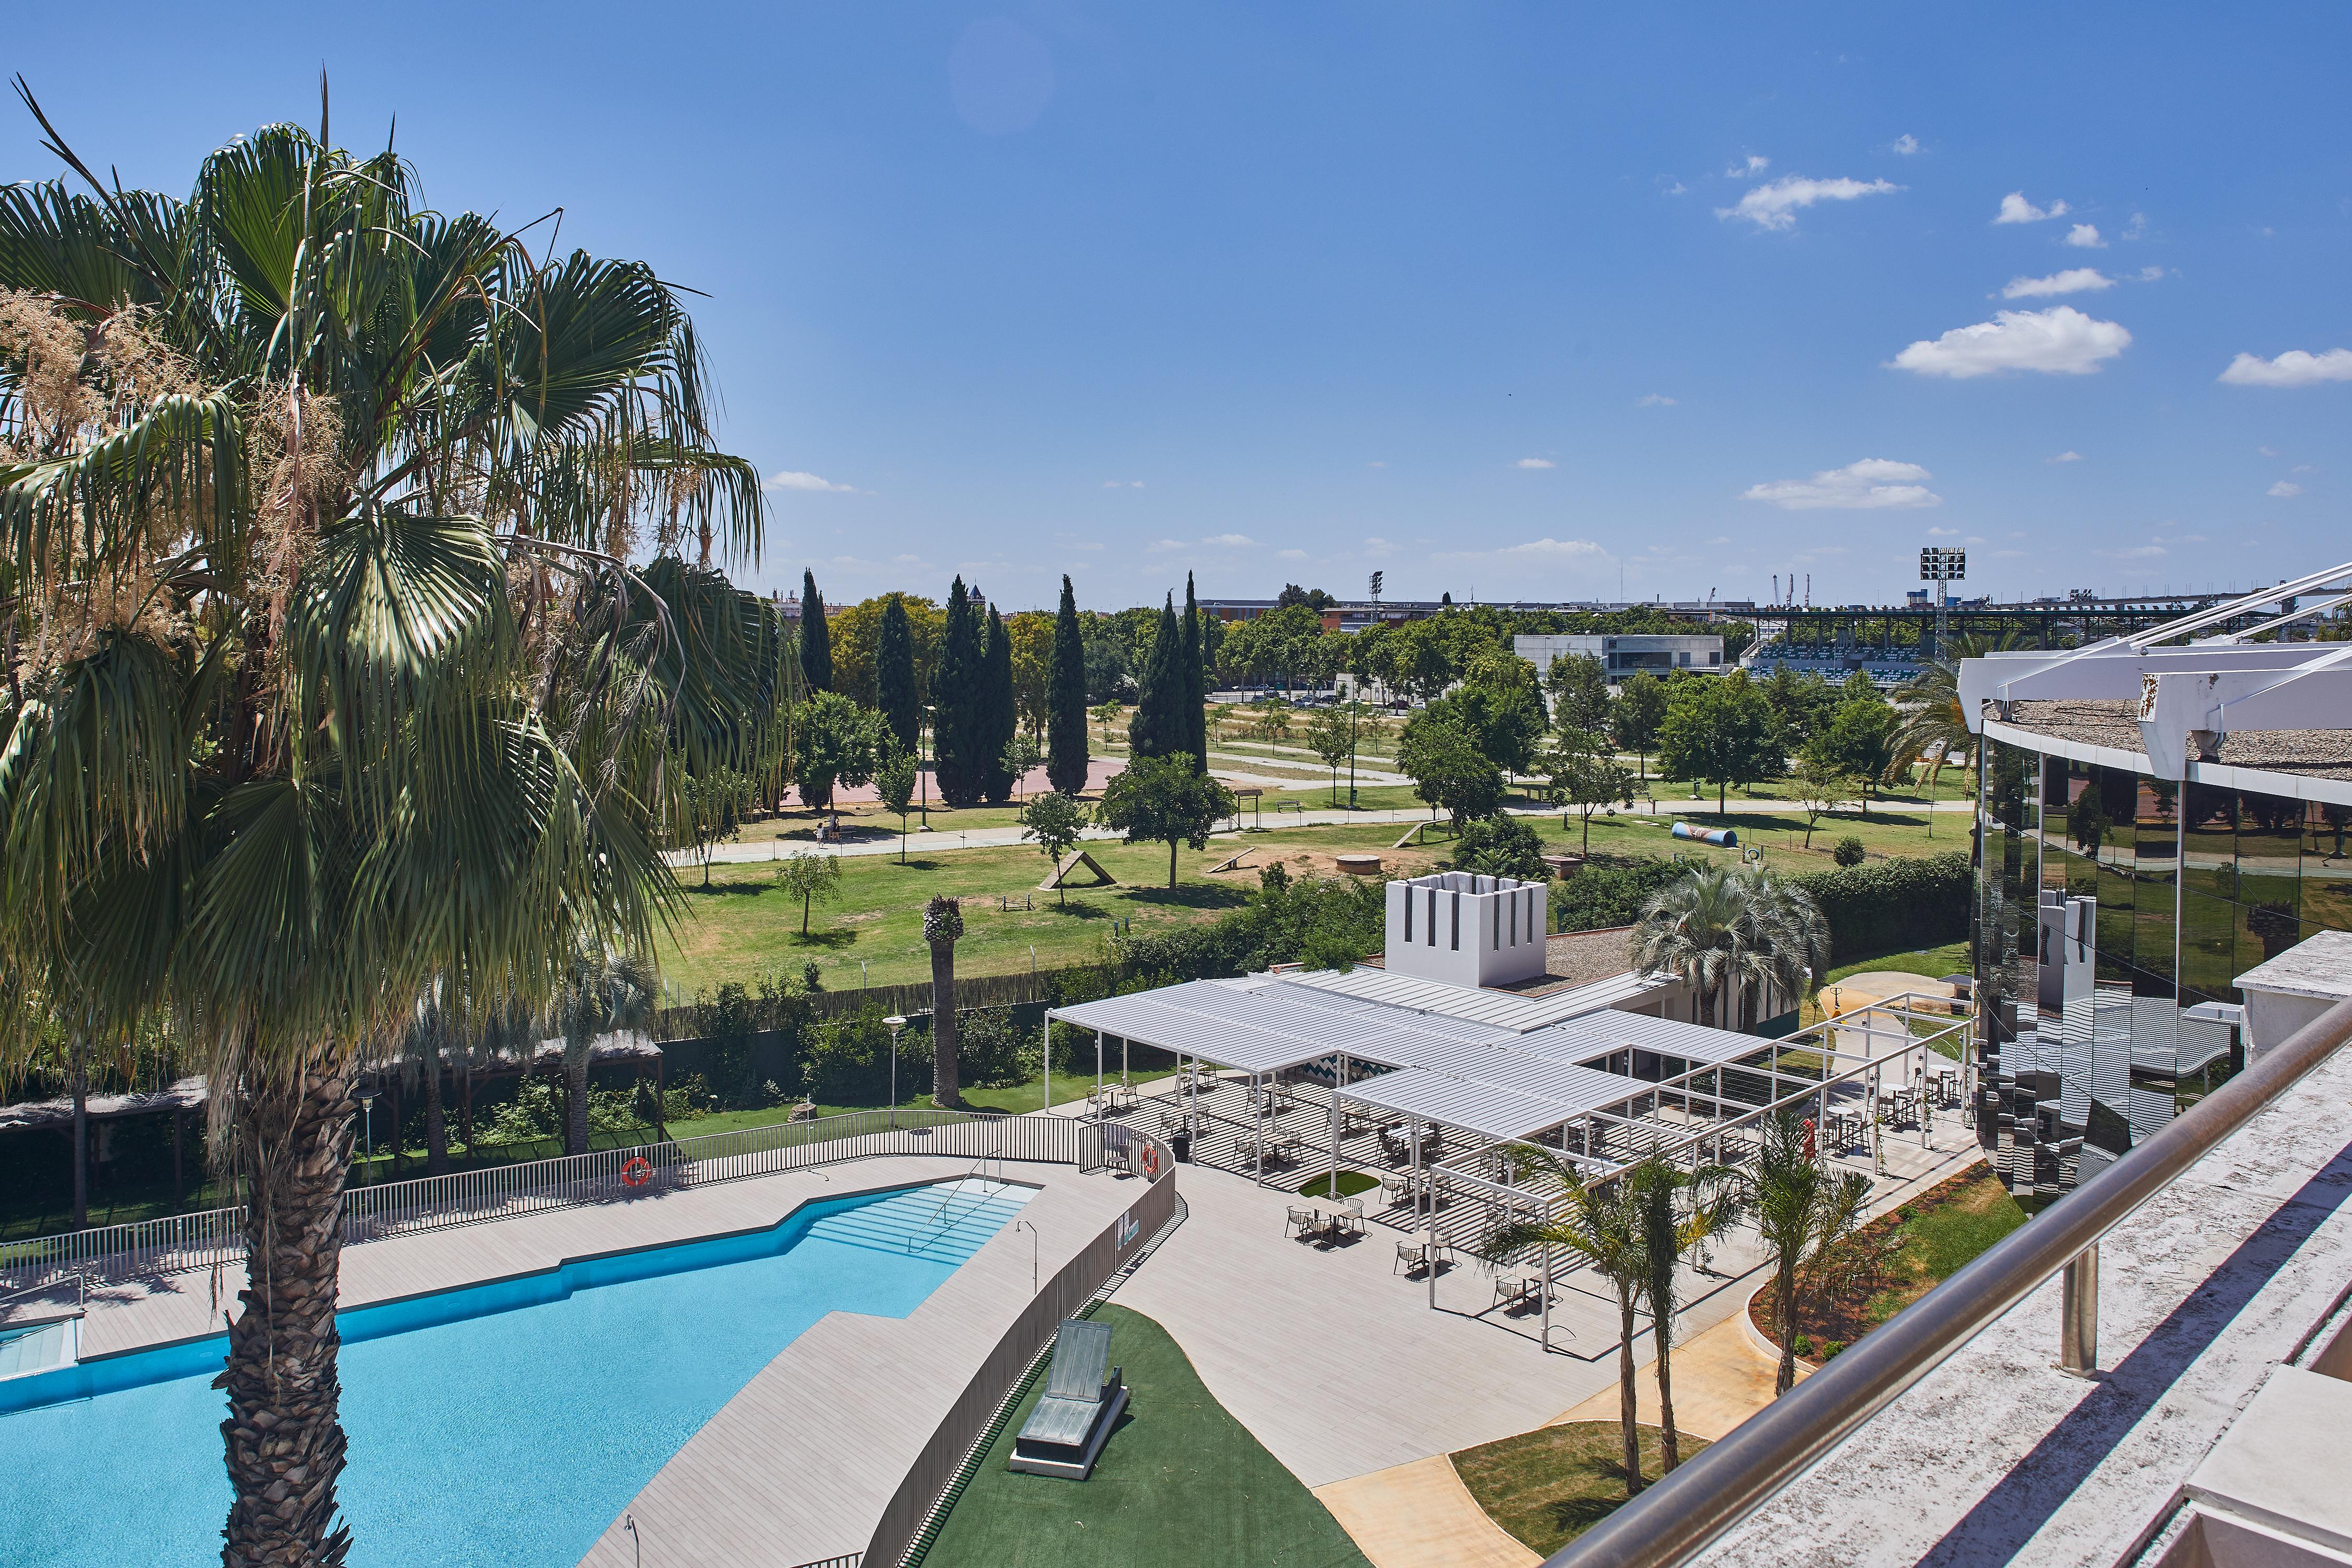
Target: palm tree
x: 1682, y: 1213
x: 328, y: 671
x: 1729, y: 933
x: 942, y: 927
x: 1783, y: 940
x: 1803, y: 1212
x: 602, y: 992
x: 1603, y: 1224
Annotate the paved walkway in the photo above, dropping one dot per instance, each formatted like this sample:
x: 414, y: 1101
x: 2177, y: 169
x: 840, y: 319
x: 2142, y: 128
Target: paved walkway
x: 1420, y: 1516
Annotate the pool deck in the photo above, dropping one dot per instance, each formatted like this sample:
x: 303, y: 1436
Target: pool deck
x: 800, y: 1464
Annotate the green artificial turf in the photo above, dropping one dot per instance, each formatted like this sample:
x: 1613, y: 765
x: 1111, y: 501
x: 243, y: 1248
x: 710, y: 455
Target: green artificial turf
x: 1550, y: 1486
x: 1351, y: 1183
x: 1181, y: 1484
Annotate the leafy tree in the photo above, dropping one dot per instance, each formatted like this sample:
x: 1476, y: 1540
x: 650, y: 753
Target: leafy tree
x: 1032, y: 640
x: 1806, y: 1215
x: 816, y: 637
x: 1860, y: 735
x: 1635, y: 718
x: 894, y: 781
x: 1158, y: 728
x: 895, y: 690
x: 942, y: 928
x: 1106, y: 714
x: 1021, y: 757
x: 1581, y: 775
x: 960, y: 756
x: 1604, y: 1226
x: 1332, y: 735
x: 1502, y: 705
x: 1196, y: 683
x: 714, y: 807
x: 268, y: 453
x: 1055, y: 820
x: 1850, y: 851
x: 1501, y: 846
x: 1579, y: 684
x: 1109, y: 672
x: 999, y: 720
x: 834, y: 742
x: 1313, y: 598
x: 812, y: 879
x: 1719, y: 729
x: 1800, y: 705
x: 1162, y: 800
x: 858, y: 647
x: 1448, y: 768
x: 1272, y: 720
x: 1065, y: 700
x: 1820, y: 786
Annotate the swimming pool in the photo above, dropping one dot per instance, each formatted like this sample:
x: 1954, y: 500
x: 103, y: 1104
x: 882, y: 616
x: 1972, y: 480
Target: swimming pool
x: 505, y: 1424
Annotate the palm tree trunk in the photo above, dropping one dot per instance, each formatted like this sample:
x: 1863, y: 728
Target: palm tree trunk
x: 436, y: 1125
x: 946, y: 1089
x: 1668, y: 1439
x: 80, y: 1135
x: 1629, y: 1398
x: 283, y: 1437
x: 575, y: 1098
x: 1784, y: 1320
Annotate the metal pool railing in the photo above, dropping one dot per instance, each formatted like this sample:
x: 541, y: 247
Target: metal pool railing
x: 192, y: 1241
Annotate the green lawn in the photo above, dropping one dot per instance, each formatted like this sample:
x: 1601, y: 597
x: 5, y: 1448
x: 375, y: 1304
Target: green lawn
x: 1550, y: 1486
x: 1180, y: 1485
x: 1950, y: 958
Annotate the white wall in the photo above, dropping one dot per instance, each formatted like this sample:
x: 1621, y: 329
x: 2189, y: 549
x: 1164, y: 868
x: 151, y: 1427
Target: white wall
x: 1466, y: 929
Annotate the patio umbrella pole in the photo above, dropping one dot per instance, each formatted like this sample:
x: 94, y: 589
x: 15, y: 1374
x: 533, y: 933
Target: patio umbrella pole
x: 1098, y: 1072
x: 1261, y: 1128
x: 1547, y: 1294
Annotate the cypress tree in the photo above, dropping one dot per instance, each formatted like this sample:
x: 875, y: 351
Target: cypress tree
x: 1196, y: 685
x: 1155, y: 730
x: 816, y: 637
x: 1066, y: 698
x: 1000, y: 716
x: 894, y: 675
x: 958, y: 759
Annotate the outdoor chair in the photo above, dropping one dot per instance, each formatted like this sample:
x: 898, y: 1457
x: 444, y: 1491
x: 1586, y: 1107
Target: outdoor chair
x: 1303, y: 1221
x: 1065, y: 1433
x: 1509, y: 1289
x: 1412, y: 1256
x: 1351, y: 1222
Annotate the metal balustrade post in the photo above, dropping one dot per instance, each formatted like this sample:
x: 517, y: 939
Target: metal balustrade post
x: 2078, y: 1315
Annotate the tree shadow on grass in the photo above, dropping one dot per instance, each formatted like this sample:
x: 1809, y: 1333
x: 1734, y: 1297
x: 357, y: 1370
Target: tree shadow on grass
x: 1575, y: 1515
x: 833, y: 940
x: 1191, y: 896
x: 737, y: 889
x: 917, y: 863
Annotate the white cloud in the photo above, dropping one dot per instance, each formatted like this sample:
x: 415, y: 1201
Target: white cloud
x: 1375, y: 545
x: 1906, y: 144
x: 1558, y: 548
x: 2286, y: 489
x: 2137, y: 553
x: 2149, y: 274
x: 1231, y: 541
x: 1973, y: 539
x: 2267, y: 451
x: 1122, y: 484
x: 1535, y: 463
x: 1676, y: 189
x: 1775, y: 205
x: 1871, y: 483
x: 2294, y: 368
x: 1159, y: 545
x: 2073, y: 281
x: 1755, y: 165
x: 2069, y: 456
x: 1943, y: 532
x: 1654, y: 400
x: 2061, y: 340
x: 2015, y: 208
x: 2137, y: 227
x: 2085, y: 236
x: 1376, y: 465
x: 792, y: 480
x: 1290, y: 555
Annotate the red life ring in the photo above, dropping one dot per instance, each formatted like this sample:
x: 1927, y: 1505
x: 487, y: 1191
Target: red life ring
x: 637, y: 1172
x: 1151, y: 1162
x: 1809, y: 1152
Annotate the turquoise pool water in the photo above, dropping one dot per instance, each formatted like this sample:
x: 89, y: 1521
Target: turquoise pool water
x: 503, y: 1426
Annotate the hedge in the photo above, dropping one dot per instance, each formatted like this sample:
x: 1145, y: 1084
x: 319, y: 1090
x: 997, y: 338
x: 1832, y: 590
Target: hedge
x: 1887, y: 906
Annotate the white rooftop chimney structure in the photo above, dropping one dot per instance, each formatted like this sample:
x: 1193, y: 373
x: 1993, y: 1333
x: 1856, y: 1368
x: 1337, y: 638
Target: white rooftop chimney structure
x: 1466, y: 929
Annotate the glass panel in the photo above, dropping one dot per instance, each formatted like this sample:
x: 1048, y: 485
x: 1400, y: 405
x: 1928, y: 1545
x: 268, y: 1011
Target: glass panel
x: 2118, y: 805
x: 2152, y: 922
x: 2208, y: 949
x: 2211, y: 849
x: 2115, y: 923
x: 2270, y: 845
x: 2327, y: 869
x: 2158, y: 841
x: 2264, y: 931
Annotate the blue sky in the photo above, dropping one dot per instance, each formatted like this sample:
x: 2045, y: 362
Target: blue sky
x: 1519, y: 301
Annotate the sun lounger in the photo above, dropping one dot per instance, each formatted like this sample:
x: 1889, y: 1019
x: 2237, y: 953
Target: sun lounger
x: 1065, y: 1433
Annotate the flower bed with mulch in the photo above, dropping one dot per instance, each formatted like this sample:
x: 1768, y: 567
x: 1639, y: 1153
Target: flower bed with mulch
x: 1898, y: 1257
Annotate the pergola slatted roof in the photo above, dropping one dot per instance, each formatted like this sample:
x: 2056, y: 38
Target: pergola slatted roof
x: 1491, y: 1111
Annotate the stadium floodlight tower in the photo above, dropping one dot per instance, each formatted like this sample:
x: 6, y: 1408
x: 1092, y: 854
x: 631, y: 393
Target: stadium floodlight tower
x: 1941, y: 564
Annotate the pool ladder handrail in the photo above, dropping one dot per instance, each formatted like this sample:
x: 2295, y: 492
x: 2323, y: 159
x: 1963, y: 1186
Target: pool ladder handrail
x: 81, y: 1291
x: 932, y: 1227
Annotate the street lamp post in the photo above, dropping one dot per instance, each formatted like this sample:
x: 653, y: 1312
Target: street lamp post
x: 897, y: 1023
x: 1024, y: 1225
x: 367, y: 1129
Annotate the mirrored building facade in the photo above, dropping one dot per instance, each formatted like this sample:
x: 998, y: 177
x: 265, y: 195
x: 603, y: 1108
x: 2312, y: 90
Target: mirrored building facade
x: 2114, y: 910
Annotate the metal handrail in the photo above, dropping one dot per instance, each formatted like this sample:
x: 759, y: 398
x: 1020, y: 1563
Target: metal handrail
x: 1674, y: 1521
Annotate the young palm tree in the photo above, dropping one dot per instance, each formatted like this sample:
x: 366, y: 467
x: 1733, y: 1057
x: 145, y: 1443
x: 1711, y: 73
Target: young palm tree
x: 1603, y: 1224
x: 1803, y: 1211
x: 1783, y: 940
x: 1681, y: 1213
x: 1931, y: 717
x: 328, y: 673
x: 1690, y: 929
x: 602, y: 992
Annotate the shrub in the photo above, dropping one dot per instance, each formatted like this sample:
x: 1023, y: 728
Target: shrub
x: 991, y: 1051
x: 1848, y: 851
x: 1343, y: 916
x: 847, y: 1060
x: 1893, y: 904
x: 1500, y: 845
x: 1611, y: 892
